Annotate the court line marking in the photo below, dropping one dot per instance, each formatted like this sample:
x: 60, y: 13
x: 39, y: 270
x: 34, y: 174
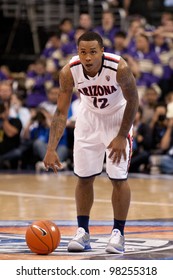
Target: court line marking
x: 21, y: 194
x: 131, y: 223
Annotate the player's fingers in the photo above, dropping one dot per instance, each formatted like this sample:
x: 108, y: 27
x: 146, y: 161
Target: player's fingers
x: 109, y: 146
x: 54, y: 167
x: 118, y: 155
x: 58, y: 163
x: 46, y: 166
x: 111, y: 154
x: 116, y: 158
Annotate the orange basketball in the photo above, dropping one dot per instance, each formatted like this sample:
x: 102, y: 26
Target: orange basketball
x: 43, y: 237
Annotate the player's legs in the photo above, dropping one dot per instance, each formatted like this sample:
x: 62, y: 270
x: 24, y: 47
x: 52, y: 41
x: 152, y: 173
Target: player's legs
x: 120, y: 203
x: 84, y: 196
x: 120, y: 199
x: 88, y: 154
x: 84, y: 200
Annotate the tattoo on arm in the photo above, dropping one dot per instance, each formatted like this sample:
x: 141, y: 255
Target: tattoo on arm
x: 59, y: 120
x: 127, y: 83
x: 56, y: 130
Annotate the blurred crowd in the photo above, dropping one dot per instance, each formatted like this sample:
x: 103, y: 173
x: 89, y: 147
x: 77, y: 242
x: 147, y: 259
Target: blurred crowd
x: 28, y: 99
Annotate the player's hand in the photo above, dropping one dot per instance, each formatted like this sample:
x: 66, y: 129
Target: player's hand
x: 52, y: 161
x: 117, y: 149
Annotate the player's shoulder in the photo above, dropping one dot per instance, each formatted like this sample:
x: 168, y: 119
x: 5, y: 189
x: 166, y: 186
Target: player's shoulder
x: 74, y: 61
x: 111, y: 57
x: 65, y: 73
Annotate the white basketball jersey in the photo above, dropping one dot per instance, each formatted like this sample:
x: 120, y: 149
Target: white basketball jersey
x: 101, y: 93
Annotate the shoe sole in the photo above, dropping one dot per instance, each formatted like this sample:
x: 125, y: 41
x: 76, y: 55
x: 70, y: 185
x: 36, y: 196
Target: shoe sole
x: 77, y: 247
x: 113, y: 250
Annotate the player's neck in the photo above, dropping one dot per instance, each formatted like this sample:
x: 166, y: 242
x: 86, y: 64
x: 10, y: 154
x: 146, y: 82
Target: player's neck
x: 91, y: 74
x: 94, y: 72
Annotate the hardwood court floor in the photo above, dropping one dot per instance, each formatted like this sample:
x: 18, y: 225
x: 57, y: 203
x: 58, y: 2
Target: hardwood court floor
x: 28, y: 197
x: 49, y: 196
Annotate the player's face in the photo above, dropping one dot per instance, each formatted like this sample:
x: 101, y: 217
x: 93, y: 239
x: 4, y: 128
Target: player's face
x: 90, y: 54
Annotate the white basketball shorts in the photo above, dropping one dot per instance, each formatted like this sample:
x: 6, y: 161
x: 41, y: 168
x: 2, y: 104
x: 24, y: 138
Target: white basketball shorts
x: 93, y: 133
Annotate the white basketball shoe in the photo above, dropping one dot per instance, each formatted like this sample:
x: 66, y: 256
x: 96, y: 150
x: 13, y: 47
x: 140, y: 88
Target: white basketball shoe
x: 80, y: 242
x: 116, y: 243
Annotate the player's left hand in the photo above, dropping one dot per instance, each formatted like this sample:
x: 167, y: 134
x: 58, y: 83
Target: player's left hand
x: 117, y: 149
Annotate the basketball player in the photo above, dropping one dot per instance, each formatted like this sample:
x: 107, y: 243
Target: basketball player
x: 109, y: 102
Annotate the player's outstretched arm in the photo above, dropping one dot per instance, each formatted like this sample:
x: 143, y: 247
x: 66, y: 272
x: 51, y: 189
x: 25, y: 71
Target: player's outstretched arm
x: 58, y: 124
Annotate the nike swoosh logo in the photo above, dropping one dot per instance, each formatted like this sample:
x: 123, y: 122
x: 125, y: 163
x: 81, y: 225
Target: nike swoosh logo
x: 80, y: 83
x: 43, y: 231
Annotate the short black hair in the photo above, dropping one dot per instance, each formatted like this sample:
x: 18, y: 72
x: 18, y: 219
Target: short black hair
x: 91, y: 36
x: 64, y: 20
x: 121, y: 34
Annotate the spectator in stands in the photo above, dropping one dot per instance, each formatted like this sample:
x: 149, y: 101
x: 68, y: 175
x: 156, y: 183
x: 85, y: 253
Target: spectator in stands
x: 2, y: 76
x: 135, y: 27
x: 37, y: 82
x: 10, y: 129
x: 70, y: 48
x: 67, y: 30
x: 52, y: 52
x: 95, y: 7
x: 85, y: 21
x: 107, y: 29
x: 158, y: 126
x: 141, y: 145
x: 166, y: 16
x: 18, y: 108
x: 51, y: 103
x: 149, y: 102
x: 5, y: 73
x: 166, y: 163
x: 119, y: 44
x: 38, y: 131
x: 151, y: 70
x: 163, y: 48
x: 166, y: 25
x: 5, y: 90
x: 162, y: 154
x: 169, y: 97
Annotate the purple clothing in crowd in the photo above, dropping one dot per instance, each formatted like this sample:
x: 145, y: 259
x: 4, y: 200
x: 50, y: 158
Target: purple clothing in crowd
x: 150, y: 68
x: 3, y: 77
x: 163, y: 53
x: 37, y: 93
x: 107, y: 35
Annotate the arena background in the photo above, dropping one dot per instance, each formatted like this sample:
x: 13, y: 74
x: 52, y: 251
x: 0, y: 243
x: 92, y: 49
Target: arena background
x: 24, y: 30
x: 25, y: 25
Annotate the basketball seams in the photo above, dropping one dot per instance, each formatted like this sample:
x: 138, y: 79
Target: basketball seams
x: 41, y: 252
x: 52, y: 243
x: 40, y: 239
